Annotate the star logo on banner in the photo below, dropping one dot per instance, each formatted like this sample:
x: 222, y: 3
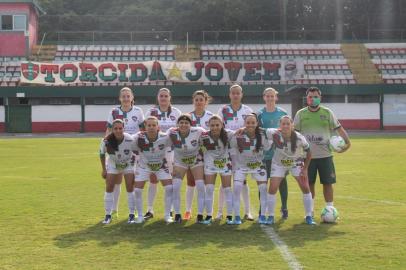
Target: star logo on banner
x: 175, y: 72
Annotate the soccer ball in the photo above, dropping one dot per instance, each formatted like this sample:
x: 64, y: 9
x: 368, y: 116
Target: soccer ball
x: 329, y: 214
x: 337, y: 143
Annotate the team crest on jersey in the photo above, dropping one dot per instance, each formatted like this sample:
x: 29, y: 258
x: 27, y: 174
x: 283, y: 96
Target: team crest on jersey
x: 193, y: 143
x: 126, y: 151
x: 172, y: 117
x: 161, y: 146
x: 134, y: 118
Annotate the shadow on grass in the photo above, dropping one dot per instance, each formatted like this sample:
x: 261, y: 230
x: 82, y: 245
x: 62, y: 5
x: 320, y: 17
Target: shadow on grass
x: 182, y: 236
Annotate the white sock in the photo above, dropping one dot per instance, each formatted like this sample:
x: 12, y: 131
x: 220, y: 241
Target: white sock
x: 236, y: 197
x: 271, y: 204
x: 108, y: 202
x: 329, y: 203
x: 131, y: 202
x: 209, y: 199
x: 176, y: 183
x: 151, y: 196
x: 138, y: 201
x: 246, y: 198
x: 228, y: 194
x: 117, y: 191
x: 168, y: 199
x: 263, y: 198
x: 200, y: 196
x: 307, y: 202
x: 190, y: 192
x: 312, y: 204
x: 221, y: 201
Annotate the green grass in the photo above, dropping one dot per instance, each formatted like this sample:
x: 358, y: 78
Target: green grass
x: 51, y: 205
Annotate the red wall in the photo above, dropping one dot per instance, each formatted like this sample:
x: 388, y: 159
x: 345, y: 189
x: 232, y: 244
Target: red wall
x: 13, y: 43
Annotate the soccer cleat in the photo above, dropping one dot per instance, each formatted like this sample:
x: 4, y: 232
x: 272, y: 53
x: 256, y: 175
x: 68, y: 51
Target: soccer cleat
x: 229, y: 220
x: 248, y: 217
x: 207, y: 220
x: 178, y: 218
x: 262, y: 219
x: 309, y: 220
x: 168, y: 219
x: 107, y: 219
x: 199, y: 219
x: 148, y: 215
x: 131, y: 219
x: 139, y: 220
x: 187, y: 216
x: 284, y: 213
x: 237, y: 220
x: 219, y: 216
x: 270, y: 220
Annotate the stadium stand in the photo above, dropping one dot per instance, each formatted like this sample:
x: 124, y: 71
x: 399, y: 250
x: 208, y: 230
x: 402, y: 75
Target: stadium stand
x: 10, y: 70
x: 324, y: 63
x: 390, y: 60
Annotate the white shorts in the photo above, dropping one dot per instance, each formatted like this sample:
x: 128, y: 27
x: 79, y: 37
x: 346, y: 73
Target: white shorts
x: 142, y: 174
x: 170, y: 156
x: 224, y: 167
x: 191, y: 162
x: 281, y: 171
x: 259, y: 175
x: 113, y: 168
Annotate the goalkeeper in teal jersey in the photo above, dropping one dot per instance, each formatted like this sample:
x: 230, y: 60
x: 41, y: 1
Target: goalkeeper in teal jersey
x: 269, y: 117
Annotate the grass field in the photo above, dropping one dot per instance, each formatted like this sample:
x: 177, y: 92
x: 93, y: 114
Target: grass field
x: 51, y: 205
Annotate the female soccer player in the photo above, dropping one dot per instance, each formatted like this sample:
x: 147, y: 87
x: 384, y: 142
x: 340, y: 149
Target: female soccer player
x: 269, y: 117
x: 185, y: 140
x: 200, y: 118
x: 118, y: 146
x: 249, y: 147
x: 151, y: 145
x: 233, y: 116
x: 133, y: 118
x: 217, y: 161
x: 290, y: 148
x: 167, y: 116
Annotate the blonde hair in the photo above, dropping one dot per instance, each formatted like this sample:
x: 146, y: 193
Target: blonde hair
x: 124, y: 89
x: 270, y: 89
x: 235, y: 86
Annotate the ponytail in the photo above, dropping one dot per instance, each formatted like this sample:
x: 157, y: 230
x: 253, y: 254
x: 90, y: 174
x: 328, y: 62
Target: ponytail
x: 223, y: 137
x: 258, y: 136
x: 293, y: 141
x: 111, y: 143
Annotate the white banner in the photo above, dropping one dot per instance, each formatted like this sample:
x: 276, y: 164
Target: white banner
x: 152, y: 71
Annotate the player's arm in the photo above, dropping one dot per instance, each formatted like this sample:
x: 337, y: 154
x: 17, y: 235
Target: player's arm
x: 341, y: 131
x: 103, y: 159
x: 308, y: 158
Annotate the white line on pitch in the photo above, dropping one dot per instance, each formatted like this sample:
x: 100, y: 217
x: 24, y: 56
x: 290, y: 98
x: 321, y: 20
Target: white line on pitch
x: 282, y: 247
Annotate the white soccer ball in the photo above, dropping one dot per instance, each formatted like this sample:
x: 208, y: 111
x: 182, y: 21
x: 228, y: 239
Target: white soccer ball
x: 329, y: 214
x: 337, y: 143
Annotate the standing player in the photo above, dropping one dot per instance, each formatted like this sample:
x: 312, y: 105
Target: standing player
x: 167, y: 116
x: 118, y: 146
x: 249, y: 147
x: 133, y: 118
x: 233, y: 116
x: 317, y: 123
x: 185, y: 140
x: 152, y: 145
x: 292, y: 153
x: 269, y: 117
x: 200, y: 118
x: 215, y: 144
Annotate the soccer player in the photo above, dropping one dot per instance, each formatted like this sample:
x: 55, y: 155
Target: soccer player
x: 185, y: 140
x: 249, y: 147
x: 292, y: 154
x: 133, y: 118
x: 120, y: 160
x: 269, y: 117
x: 152, y: 146
x: 215, y: 145
x: 233, y: 116
x: 200, y: 118
x: 167, y: 116
x: 317, y: 123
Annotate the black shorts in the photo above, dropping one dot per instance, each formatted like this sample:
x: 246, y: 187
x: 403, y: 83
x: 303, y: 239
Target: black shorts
x: 325, y: 168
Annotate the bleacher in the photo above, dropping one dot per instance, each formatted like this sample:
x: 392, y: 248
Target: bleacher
x: 390, y: 60
x: 324, y: 63
x: 10, y: 70
x: 119, y: 53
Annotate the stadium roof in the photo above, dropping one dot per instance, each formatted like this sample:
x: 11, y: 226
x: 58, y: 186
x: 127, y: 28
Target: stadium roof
x: 37, y: 7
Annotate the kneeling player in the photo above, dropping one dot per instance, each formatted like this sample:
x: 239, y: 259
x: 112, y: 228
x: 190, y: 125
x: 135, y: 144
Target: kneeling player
x: 151, y: 145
